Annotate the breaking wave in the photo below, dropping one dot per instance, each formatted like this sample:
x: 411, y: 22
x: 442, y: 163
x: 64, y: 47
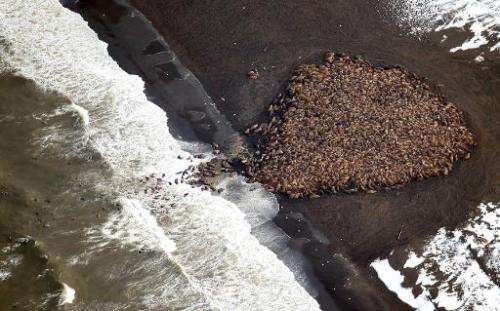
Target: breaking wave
x: 158, y: 243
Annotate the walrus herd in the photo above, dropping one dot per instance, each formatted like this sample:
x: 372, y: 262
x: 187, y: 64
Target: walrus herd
x: 347, y: 125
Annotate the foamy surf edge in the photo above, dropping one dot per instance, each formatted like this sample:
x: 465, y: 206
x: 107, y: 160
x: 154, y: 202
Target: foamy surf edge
x: 231, y: 271
x: 67, y: 295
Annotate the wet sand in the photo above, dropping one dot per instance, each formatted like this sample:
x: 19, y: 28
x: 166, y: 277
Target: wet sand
x: 220, y: 42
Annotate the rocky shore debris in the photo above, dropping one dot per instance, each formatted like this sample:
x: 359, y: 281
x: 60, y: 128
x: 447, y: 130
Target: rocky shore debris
x: 347, y: 125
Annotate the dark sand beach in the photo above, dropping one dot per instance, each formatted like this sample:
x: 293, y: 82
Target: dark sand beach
x: 221, y: 41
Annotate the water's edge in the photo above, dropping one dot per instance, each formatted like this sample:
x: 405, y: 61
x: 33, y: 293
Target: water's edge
x: 112, y: 22
x: 85, y: 146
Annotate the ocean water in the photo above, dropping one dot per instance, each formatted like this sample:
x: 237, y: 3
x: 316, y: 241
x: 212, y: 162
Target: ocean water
x: 478, y: 19
x: 89, y: 166
x: 95, y: 166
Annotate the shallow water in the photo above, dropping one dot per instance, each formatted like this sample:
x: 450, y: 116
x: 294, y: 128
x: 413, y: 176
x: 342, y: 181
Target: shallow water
x: 95, y: 165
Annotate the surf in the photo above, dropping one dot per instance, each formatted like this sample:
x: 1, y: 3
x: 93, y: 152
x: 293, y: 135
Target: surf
x: 121, y: 222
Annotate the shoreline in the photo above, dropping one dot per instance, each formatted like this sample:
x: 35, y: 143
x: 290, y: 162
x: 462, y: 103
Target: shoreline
x: 340, y: 224
x: 90, y: 150
x: 358, y: 293
x: 222, y: 42
x: 211, y: 129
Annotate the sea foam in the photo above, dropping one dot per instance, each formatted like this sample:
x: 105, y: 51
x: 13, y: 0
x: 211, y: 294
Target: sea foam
x: 204, y: 256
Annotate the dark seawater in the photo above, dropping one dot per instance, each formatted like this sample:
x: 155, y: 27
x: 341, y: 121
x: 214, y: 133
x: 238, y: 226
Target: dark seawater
x: 29, y: 281
x: 41, y: 197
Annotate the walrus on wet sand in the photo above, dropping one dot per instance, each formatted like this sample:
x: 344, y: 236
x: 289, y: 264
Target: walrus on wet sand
x: 347, y: 125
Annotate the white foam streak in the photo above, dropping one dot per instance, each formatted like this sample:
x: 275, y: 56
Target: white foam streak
x: 67, y: 295
x: 4, y: 275
x: 136, y: 227
x: 83, y: 115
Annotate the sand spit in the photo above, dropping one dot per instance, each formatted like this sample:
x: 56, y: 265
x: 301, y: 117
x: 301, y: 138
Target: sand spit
x: 348, y: 125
